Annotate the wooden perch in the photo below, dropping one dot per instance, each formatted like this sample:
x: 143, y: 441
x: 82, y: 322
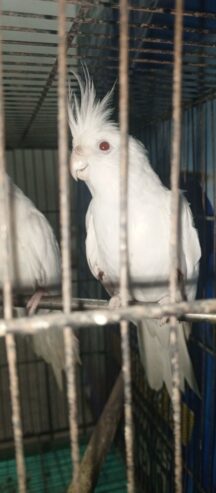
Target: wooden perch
x: 100, y: 441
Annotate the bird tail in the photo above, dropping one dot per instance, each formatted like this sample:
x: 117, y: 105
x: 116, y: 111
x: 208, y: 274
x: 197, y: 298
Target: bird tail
x: 154, y: 347
x: 49, y: 345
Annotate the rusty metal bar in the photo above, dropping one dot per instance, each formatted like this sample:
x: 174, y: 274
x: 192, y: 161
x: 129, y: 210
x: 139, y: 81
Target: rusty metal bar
x: 55, y: 303
x: 148, y: 50
x: 124, y: 291
x: 146, y: 25
x: 167, y: 11
x: 64, y: 188
x: 174, y: 237
x: 109, y: 22
x: 83, y: 19
x: 16, y: 412
x: 5, y: 237
x: 98, y: 35
x: 198, y: 309
x: 95, y: 3
x: 114, y: 59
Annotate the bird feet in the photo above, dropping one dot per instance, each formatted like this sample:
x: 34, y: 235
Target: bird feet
x: 164, y: 320
x: 166, y: 300
x: 114, y: 302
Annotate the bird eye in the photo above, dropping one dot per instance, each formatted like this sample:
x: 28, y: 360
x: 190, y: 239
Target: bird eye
x: 104, y: 145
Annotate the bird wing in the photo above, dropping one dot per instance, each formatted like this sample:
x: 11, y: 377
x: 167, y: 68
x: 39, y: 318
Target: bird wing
x: 49, y: 345
x: 191, y: 248
x: 36, y: 257
x: 154, y: 347
x: 93, y: 253
x: 154, y: 337
x: 38, y: 252
x: 36, y: 262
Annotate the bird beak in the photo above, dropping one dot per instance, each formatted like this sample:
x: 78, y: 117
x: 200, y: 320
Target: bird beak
x: 78, y: 167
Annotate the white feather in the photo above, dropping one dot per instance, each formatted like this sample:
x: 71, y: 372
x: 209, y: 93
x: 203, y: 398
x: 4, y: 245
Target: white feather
x: 88, y: 114
x: 148, y: 230
x: 36, y: 263
x: 50, y: 346
x: 35, y: 252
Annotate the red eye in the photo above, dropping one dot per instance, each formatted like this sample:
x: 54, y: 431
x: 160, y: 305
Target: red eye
x: 104, y: 146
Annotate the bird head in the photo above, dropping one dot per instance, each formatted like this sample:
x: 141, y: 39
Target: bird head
x: 95, y: 156
x: 96, y: 141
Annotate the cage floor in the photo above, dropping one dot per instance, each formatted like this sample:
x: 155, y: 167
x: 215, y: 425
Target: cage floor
x: 50, y: 472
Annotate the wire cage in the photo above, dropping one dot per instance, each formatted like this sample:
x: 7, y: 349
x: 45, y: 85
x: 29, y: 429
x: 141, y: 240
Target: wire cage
x: 162, y: 55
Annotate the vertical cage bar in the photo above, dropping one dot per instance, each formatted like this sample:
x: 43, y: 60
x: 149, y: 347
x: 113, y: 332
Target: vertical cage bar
x: 124, y: 293
x: 174, y: 239
x: 64, y: 181
x: 5, y: 230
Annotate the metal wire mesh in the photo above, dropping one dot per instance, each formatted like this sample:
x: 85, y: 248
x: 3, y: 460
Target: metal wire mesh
x: 197, y: 422
x: 90, y: 31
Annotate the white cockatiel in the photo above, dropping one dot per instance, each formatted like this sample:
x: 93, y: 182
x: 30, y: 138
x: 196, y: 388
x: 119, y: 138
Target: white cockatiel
x: 95, y: 159
x: 35, y: 266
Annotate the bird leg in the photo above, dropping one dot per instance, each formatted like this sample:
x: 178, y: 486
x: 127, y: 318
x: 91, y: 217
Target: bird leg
x: 34, y: 301
x: 115, y: 301
x: 166, y: 301
x: 164, y: 320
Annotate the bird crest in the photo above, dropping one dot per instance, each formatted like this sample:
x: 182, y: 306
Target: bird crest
x: 87, y: 113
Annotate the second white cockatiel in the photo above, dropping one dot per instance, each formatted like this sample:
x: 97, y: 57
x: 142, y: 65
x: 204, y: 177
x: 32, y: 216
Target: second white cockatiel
x: 95, y: 160
x: 35, y: 267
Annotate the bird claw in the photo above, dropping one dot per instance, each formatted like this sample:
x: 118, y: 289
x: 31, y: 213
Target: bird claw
x: 114, y: 302
x: 166, y: 300
x: 164, y: 321
x: 34, y: 301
